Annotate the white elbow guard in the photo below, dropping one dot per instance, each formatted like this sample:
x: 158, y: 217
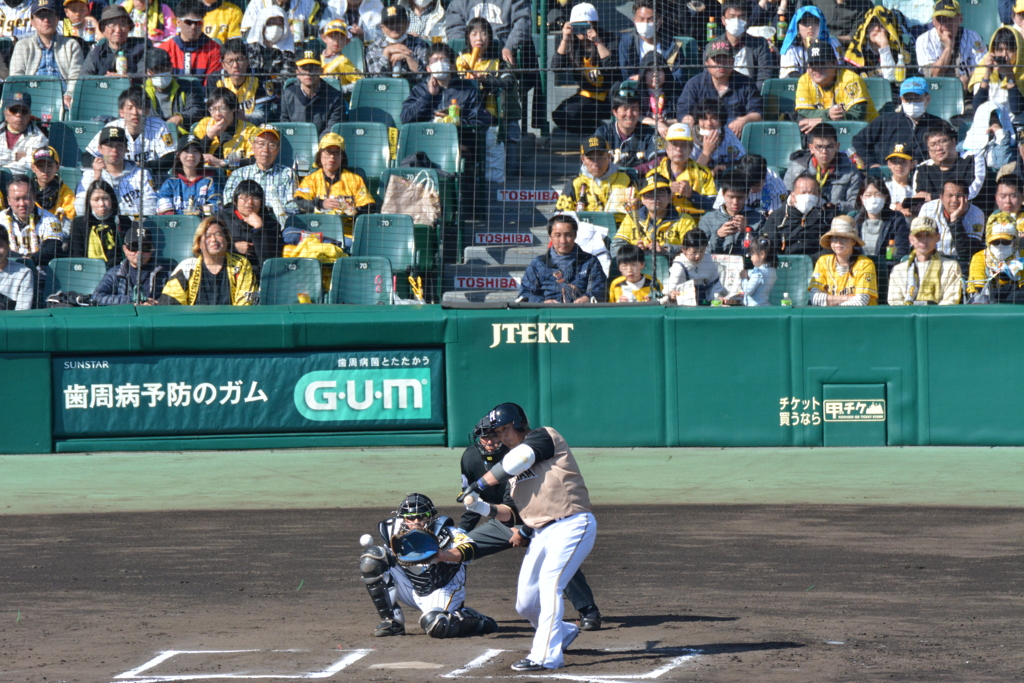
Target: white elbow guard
x: 518, y: 460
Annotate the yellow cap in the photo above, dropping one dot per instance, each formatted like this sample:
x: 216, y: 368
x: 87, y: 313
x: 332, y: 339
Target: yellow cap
x: 331, y: 140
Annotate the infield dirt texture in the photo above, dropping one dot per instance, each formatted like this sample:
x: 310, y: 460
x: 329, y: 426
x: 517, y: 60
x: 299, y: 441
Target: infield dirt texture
x: 773, y: 593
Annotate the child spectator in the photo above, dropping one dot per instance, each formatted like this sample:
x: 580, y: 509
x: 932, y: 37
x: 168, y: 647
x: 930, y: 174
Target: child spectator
x: 730, y: 226
x: 632, y: 141
x: 656, y: 226
x: 900, y: 186
x: 693, y: 185
x: 96, y: 231
x: 15, y: 279
x: 191, y: 190
x: 336, y: 65
x: 844, y: 277
x: 759, y: 280
x: 139, y: 278
x: 716, y: 146
x: 693, y: 264
x: 51, y: 193
x: 632, y: 285
x: 600, y: 186
x: 928, y: 277
x: 837, y: 177
x: 995, y: 272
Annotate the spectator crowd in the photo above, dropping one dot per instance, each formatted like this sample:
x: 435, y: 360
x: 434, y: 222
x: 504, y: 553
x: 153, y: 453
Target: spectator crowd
x: 876, y: 150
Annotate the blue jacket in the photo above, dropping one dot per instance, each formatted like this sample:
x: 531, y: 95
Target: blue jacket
x: 176, y: 192
x: 742, y: 98
x: 118, y: 283
x: 421, y: 104
x: 580, y: 273
x: 629, y: 53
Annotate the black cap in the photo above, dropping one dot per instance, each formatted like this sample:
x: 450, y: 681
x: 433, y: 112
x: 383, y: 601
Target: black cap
x: 19, y: 99
x: 594, y: 144
x: 393, y: 16
x: 191, y: 141
x: 820, y: 53
x: 40, y: 5
x: 137, y: 236
x: 158, y: 61
x: 113, y: 134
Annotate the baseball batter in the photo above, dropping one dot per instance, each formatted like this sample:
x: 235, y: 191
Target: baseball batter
x: 550, y: 498
x: 493, y: 536
x: 437, y: 589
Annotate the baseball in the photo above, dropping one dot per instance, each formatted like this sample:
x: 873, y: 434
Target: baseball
x: 469, y: 499
x: 365, y: 540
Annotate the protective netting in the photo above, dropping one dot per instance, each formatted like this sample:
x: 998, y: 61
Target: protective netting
x: 402, y: 170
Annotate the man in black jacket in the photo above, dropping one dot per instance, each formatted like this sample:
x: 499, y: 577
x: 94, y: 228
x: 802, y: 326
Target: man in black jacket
x: 798, y: 229
x: 752, y: 56
x: 311, y: 100
x: 906, y: 126
x: 115, y: 23
x: 632, y: 142
x: 651, y: 34
x: 139, y: 279
x: 493, y: 536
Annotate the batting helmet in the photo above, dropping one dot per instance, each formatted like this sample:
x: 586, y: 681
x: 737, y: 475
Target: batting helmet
x: 416, y: 504
x: 508, y: 413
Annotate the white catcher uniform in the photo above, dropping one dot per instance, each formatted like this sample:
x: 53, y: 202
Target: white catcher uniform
x: 435, y: 586
x: 552, y: 499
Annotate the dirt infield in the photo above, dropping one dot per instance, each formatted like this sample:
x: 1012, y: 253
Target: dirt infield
x: 758, y: 593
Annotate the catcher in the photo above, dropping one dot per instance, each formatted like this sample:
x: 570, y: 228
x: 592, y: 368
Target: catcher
x: 422, y: 565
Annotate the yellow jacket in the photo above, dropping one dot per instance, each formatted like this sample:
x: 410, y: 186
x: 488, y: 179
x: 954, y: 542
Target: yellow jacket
x: 700, y: 177
x: 183, y: 287
x: 996, y: 78
x: 224, y: 22
x: 642, y: 293
x: 671, y: 229
x: 848, y: 90
x: 608, y: 195
x: 349, y: 186
x: 341, y: 66
x: 860, y: 279
x: 240, y: 141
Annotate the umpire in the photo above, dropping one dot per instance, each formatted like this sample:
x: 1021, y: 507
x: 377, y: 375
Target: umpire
x: 493, y: 536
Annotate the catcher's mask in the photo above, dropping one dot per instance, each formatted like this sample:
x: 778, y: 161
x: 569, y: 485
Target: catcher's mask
x: 508, y: 413
x: 416, y: 507
x: 484, y: 438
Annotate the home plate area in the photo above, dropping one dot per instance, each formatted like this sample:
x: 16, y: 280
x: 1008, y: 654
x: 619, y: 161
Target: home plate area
x: 601, y: 666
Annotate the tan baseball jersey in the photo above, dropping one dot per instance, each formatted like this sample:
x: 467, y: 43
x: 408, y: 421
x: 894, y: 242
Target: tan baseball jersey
x: 553, y: 487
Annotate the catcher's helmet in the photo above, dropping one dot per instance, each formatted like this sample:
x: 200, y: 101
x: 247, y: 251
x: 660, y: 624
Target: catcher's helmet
x: 508, y: 413
x: 484, y: 439
x: 416, y: 504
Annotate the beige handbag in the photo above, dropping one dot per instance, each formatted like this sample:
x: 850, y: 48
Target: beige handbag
x: 416, y: 197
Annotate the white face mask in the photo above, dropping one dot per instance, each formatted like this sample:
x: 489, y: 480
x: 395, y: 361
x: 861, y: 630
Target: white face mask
x: 392, y: 41
x: 704, y: 132
x: 443, y: 67
x: 805, y: 202
x: 272, y: 34
x: 735, y: 27
x: 645, y: 29
x: 1001, y: 252
x: 874, y: 205
x: 422, y: 4
x: 161, y: 82
x: 914, y: 110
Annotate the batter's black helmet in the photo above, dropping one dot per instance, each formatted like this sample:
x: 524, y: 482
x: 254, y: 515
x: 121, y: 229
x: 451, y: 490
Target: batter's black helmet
x: 508, y: 413
x: 416, y: 504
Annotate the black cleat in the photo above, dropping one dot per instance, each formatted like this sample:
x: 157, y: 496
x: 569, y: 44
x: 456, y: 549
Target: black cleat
x: 527, y: 665
x: 590, y: 621
x: 389, y: 627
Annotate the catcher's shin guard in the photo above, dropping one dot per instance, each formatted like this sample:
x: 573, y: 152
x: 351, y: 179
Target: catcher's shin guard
x: 374, y: 565
x: 459, y: 624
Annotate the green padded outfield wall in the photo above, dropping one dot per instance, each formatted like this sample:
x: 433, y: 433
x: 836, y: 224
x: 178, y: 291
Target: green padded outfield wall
x: 604, y: 376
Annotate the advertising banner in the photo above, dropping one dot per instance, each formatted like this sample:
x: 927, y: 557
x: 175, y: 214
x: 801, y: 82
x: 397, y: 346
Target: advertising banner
x: 248, y: 393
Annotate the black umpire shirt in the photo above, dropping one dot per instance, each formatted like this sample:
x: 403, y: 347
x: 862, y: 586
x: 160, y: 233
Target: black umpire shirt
x: 475, y: 466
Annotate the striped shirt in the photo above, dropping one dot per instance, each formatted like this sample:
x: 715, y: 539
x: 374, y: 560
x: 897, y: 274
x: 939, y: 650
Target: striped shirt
x: 136, y: 195
x: 154, y: 141
x: 278, y: 184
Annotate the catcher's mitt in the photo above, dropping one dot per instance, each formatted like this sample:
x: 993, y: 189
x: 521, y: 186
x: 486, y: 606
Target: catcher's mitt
x: 415, y: 546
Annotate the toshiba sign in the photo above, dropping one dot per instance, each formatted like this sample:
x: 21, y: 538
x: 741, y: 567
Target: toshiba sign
x: 490, y: 282
x: 527, y: 196
x: 504, y: 238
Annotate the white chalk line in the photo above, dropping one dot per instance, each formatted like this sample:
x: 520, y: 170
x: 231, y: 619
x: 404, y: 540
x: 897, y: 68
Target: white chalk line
x: 475, y: 664
x: 133, y: 675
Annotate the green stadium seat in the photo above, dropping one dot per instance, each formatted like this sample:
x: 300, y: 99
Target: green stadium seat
x: 663, y: 267
x: 364, y: 280
x: 356, y: 54
x: 392, y: 236
x: 298, y: 145
x: 690, y: 57
x: 779, y: 95
x: 282, y: 280
x: 368, y: 148
x: 172, y: 235
x: 846, y: 130
x: 947, y: 97
x: 458, y: 45
x: 794, y: 276
x: 74, y: 275
x: 439, y: 141
x: 981, y: 16
x: 379, y: 100
x: 47, y: 96
x: 70, y: 139
x: 327, y: 224
x: 97, y: 98
x: 71, y: 177
x: 774, y: 141
x: 881, y: 94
